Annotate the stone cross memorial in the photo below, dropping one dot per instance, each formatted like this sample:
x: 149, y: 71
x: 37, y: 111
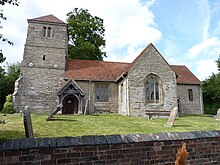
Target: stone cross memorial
x: 28, y: 123
x: 172, y: 117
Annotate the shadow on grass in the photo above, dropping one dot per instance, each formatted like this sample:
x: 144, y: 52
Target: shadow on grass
x: 62, y: 119
x: 181, y: 125
x: 8, y: 134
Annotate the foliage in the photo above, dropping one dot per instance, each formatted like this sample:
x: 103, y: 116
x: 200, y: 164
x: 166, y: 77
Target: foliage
x: 11, y: 74
x: 86, y: 35
x: 9, y: 98
x: 211, y: 92
x: 218, y: 63
x: 2, y: 17
x: 102, y: 124
x: 8, y: 105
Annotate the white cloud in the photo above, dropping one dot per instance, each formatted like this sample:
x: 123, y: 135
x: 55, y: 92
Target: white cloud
x: 205, y: 68
x: 209, y: 46
x: 204, y: 6
x: 128, y: 23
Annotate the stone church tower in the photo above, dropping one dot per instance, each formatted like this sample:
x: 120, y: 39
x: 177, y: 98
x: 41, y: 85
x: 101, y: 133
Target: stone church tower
x: 43, y: 64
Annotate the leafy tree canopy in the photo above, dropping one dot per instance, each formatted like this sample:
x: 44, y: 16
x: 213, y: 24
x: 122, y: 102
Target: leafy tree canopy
x: 211, y: 92
x: 7, y: 80
x: 86, y: 35
x: 218, y: 63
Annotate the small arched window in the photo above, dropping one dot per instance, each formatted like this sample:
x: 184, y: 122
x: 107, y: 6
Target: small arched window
x: 44, y: 31
x: 152, y: 87
x: 49, y: 32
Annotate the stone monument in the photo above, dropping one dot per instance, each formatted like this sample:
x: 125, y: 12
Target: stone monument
x: 217, y: 117
x: 28, y: 123
x: 172, y: 117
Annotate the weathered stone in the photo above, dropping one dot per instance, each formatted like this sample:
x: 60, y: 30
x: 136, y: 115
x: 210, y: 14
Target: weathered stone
x: 42, y: 66
x: 52, y: 142
x: 217, y: 117
x: 172, y: 117
x: 87, y: 140
x: 16, y: 144
x: 31, y: 143
x: 24, y: 143
x: 194, y: 106
x: 100, y: 139
x: 59, y: 142
x: 8, y: 145
x: 28, y: 123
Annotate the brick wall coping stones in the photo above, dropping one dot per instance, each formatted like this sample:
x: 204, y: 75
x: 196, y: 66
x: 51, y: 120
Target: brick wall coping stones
x: 36, y: 143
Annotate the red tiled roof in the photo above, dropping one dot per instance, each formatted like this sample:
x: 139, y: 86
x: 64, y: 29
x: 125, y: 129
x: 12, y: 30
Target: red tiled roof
x: 94, y: 70
x: 111, y: 71
x: 47, y: 18
x: 185, y: 76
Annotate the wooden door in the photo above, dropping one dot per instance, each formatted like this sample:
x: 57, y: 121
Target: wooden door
x: 70, y: 105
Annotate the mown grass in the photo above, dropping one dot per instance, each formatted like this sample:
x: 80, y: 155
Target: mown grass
x: 101, y: 124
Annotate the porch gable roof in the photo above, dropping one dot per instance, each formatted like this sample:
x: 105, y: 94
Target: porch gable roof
x: 71, y: 82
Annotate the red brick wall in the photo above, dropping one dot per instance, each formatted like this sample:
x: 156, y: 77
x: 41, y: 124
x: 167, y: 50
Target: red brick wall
x: 203, y: 148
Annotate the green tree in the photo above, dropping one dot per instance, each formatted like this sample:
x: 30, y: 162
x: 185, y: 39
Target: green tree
x: 11, y: 74
x: 86, y: 35
x: 2, y: 71
x: 2, y: 17
x: 211, y: 92
x: 218, y: 63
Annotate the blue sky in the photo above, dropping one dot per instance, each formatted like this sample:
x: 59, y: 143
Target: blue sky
x: 185, y: 32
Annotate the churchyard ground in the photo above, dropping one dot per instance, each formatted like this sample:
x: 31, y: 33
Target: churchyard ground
x: 101, y: 124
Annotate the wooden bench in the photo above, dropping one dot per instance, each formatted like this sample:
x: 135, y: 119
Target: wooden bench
x: 152, y: 113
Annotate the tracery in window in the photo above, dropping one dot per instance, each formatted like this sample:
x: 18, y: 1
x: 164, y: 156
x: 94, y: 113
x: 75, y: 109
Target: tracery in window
x: 152, y: 89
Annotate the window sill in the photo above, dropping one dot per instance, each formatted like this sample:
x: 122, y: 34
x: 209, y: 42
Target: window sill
x: 154, y: 104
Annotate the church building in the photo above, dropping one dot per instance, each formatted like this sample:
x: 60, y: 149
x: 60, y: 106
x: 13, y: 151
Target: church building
x: 51, y: 83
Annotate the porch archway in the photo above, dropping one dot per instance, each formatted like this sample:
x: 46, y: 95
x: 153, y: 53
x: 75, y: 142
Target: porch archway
x: 70, y: 105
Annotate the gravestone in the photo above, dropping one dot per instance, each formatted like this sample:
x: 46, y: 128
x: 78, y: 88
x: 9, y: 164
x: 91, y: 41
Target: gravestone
x: 172, y: 117
x: 28, y: 123
x: 217, y: 117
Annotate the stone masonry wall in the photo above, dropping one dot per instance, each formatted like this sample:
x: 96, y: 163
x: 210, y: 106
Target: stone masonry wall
x: 112, y: 105
x: 186, y: 106
x: 160, y: 149
x: 42, y: 67
x: 151, y: 62
x: 38, y: 89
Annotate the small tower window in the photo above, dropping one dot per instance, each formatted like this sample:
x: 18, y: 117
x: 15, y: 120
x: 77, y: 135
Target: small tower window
x: 49, y: 32
x: 44, y: 57
x: 44, y: 31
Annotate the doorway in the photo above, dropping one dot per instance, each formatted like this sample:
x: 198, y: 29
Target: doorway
x: 70, y: 105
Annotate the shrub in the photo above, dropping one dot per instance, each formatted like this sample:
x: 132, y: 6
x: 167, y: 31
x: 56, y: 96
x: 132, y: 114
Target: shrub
x: 9, y: 98
x: 8, y: 106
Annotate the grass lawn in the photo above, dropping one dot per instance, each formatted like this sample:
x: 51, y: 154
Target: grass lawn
x: 101, y: 124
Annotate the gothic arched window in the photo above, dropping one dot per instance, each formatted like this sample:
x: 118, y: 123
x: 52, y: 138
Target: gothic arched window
x: 152, y: 86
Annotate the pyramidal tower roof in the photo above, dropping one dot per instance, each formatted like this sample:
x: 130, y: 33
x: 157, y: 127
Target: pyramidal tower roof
x: 48, y: 18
